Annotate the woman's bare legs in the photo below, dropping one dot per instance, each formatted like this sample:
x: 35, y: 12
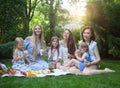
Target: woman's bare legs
x: 89, y: 71
x: 75, y: 70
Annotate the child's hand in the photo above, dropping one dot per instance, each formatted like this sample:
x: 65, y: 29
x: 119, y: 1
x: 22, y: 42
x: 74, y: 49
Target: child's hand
x: 12, y: 60
x: 24, y: 55
x: 79, y: 53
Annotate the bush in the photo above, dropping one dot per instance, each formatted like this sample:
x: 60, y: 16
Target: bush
x: 6, y: 50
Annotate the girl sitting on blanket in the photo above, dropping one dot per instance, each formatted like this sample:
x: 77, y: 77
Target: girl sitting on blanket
x: 54, y: 54
x: 82, y: 56
x: 19, y: 55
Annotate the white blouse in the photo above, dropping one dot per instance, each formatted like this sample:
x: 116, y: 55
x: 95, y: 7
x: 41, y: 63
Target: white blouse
x: 64, y: 52
x: 55, y: 54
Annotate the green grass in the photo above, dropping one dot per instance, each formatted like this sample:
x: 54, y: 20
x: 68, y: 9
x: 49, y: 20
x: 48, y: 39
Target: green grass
x: 107, y: 80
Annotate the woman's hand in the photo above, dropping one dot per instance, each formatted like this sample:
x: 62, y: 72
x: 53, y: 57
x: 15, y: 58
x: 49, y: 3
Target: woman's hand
x: 51, y: 57
x: 88, y: 64
x: 42, y: 52
x: 70, y: 56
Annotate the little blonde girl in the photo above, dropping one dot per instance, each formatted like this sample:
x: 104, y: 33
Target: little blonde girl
x: 19, y: 55
x: 54, y: 54
x: 82, y: 56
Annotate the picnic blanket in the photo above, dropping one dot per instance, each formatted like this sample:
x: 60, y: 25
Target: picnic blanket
x: 4, y: 72
x: 40, y: 73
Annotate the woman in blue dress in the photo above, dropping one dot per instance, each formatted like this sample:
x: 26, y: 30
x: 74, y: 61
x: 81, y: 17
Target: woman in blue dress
x: 35, y: 45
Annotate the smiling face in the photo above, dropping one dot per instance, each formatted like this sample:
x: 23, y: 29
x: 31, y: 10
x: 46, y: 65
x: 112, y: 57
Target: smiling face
x: 20, y: 45
x: 87, y: 35
x: 55, y: 43
x: 83, y: 47
x: 37, y: 30
x: 66, y: 34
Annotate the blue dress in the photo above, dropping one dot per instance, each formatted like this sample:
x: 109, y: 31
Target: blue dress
x: 82, y: 63
x: 40, y: 63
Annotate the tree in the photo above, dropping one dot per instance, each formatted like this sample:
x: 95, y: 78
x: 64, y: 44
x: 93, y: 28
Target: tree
x: 103, y: 15
x: 11, y: 19
x: 51, y: 16
x: 15, y: 17
x: 30, y: 6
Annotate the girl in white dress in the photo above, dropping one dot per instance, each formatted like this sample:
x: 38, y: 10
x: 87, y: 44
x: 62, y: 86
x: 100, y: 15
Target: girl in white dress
x: 54, y: 53
x: 19, y: 56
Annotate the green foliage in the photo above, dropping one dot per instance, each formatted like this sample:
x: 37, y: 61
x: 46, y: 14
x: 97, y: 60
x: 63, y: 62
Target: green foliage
x: 76, y: 34
x: 114, y: 44
x: 6, y: 50
x: 12, y: 14
x: 58, y: 32
x: 51, y: 16
x: 104, y: 16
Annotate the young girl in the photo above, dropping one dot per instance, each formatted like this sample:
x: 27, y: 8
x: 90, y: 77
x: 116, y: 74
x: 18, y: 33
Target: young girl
x: 82, y: 58
x: 19, y: 55
x: 54, y: 54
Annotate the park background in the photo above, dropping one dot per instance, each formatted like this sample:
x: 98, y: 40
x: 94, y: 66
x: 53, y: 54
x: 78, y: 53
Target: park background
x: 18, y: 17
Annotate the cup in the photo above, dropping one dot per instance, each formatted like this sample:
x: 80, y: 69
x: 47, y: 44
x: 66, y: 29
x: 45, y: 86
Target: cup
x: 41, y: 51
x: 26, y: 52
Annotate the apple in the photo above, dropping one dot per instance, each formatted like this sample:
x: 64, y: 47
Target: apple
x: 23, y: 73
x: 12, y: 71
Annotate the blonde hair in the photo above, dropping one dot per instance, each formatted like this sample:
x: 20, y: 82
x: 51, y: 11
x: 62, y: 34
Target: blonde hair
x: 84, y: 45
x: 17, y: 40
x: 41, y: 39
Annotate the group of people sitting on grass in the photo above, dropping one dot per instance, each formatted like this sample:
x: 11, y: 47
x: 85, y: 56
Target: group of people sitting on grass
x: 29, y: 53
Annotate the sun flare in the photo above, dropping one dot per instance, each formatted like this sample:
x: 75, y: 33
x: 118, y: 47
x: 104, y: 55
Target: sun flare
x: 76, y: 10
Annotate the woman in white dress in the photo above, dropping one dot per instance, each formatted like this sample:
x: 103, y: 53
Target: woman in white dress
x: 67, y: 46
x: 91, y: 67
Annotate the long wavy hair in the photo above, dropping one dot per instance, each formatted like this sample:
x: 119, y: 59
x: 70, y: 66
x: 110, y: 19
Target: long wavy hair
x: 70, y: 43
x: 41, y: 39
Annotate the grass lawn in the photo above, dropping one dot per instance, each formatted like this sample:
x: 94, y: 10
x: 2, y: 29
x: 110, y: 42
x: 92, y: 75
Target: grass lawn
x: 107, y: 80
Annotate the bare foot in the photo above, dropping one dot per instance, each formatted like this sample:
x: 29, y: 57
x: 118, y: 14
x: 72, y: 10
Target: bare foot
x: 108, y: 70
